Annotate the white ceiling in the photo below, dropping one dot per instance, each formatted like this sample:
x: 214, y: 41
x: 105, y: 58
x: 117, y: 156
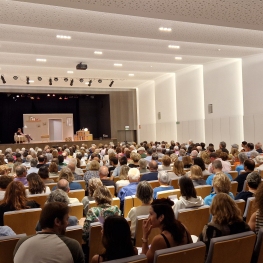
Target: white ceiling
x: 127, y: 32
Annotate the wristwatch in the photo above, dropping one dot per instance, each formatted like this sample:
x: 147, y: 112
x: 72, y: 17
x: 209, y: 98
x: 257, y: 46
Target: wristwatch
x: 145, y: 240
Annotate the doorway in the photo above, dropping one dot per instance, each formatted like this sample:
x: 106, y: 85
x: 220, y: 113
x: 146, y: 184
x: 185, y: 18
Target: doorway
x: 55, y: 129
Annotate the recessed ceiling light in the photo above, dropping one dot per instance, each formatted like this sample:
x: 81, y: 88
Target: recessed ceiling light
x: 174, y: 46
x: 31, y: 81
x: 117, y: 65
x: 98, y: 52
x: 63, y: 37
x: 41, y: 60
x: 70, y: 72
x: 131, y: 75
x: 219, y: 49
x: 151, y: 66
x: 178, y: 58
x: 166, y: 29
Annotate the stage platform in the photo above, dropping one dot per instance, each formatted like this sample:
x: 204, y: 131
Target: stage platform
x: 42, y: 144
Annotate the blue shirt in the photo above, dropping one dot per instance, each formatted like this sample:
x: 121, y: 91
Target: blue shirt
x: 160, y: 189
x: 209, y: 179
x: 239, y: 168
x: 208, y: 199
x: 127, y: 190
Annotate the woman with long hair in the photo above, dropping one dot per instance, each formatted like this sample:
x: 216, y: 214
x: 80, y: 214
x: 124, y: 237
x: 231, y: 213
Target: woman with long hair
x: 196, y: 175
x: 15, y: 199
x: 123, y: 176
x: 188, y: 196
x: 116, y: 239
x: 227, y: 219
x: 178, y: 170
x: 173, y: 233
x: 200, y: 162
x: 36, y: 185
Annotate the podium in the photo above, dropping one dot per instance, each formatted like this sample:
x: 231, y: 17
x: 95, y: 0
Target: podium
x: 83, y: 136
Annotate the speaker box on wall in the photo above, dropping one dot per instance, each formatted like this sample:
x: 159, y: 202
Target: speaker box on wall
x: 159, y: 115
x: 210, y: 108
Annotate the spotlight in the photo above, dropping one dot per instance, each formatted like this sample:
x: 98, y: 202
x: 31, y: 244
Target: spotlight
x: 90, y: 83
x: 81, y: 80
x: 66, y: 79
x: 65, y: 98
x: 111, y: 83
x: 3, y: 79
x: 56, y: 79
x: 39, y: 78
x: 50, y: 81
x: 53, y: 95
x: 99, y: 80
x: 60, y: 98
x: 71, y: 82
x: 27, y: 81
x: 48, y: 95
x: 15, y: 77
x: 38, y: 98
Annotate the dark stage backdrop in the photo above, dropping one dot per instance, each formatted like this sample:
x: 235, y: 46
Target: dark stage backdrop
x: 92, y: 112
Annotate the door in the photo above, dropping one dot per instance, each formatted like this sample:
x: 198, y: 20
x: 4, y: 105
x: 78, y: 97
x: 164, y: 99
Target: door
x: 55, y: 129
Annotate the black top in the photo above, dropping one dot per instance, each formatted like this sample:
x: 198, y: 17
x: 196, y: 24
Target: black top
x: 149, y: 176
x: 241, y: 179
x: 244, y: 195
x: 166, y: 240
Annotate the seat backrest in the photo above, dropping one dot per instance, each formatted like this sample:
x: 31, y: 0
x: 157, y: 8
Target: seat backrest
x: 241, y: 205
x: 234, y: 174
x: 75, y: 232
x: 128, y: 205
x: 116, y: 201
x: 245, y: 186
x: 23, y: 221
x: 154, y: 183
x: 182, y: 254
x: 138, y: 231
x: 258, y: 250
x: 233, y: 188
x: 95, y: 244
x: 232, y: 248
x: 250, y: 208
x: 165, y: 194
x: 175, y: 183
x: 92, y: 204
x: 203, y: 190
x: 39, y: 198
x: 233, y: 167
x: 136, y: 201
x: 112, y: 190
x: 51, y: 185
x: 76, y: 210
x: 190, y: 215
x: 7, y: 246
x: 134, y: 259
x: 116, y: 178
x: 261, y: 173
x: 82, y: 183
x: 79, y: 194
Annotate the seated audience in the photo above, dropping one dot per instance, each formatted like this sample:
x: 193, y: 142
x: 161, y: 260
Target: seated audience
x: 178, y: 170
x: 6, y: 231
x: 164, y: 181
x: 65, y: 173
x: 33, y: 166
x: 196, y: 175
x: 63, y: 184
x: 36, y: 185
x: 256, y: 220
x: 94, y: 183
x: 4, y: 169
x: 135, y: 158
x: 152, y: 175
x: 259, y: 159
x: 221, y: 184
x: 51, y: 245
x: 44, y: 175
x: 226, y: 220
x: 123, y: 177
x: 72, y: 165
x: 166, y: 162
x: 116, y: 239
x: 123, y: 161
x: 226, y: 166
x: 21, y: 175
x: 173, y: 233
x: 253, y: 181
x: 145, y: 194
x: 188, y: 196
x: 187, y: 161
x: 249, y: 166
x: 103, y: 174
x: 5, y: 180
x: 242, y: 158
x: 15, y: 199
x: 200, y: 162
x: 93, y: 172
x: 53, y: 169
x: 104, y: 209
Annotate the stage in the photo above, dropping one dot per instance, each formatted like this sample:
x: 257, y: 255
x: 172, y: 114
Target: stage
x: 42, y: 144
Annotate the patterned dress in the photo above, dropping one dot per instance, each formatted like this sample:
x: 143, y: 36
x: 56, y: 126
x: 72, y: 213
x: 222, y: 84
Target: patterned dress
x: 97, y: 214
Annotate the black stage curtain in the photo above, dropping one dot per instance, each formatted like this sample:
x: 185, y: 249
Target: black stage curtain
x: 92, y: 112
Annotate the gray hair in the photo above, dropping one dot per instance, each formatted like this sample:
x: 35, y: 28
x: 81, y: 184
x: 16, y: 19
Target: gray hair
x: 181, y: 152
x: 142, y: 163
x: 164, y: 177
x: 58, y: 195
x: 223, y: 144
x: 253, y: 154
x: 20, y: 169
x: 33, y: 162
x: 217, y: 164
x: 144, y: 192
x: 242, y: 157
x: 134, y: 174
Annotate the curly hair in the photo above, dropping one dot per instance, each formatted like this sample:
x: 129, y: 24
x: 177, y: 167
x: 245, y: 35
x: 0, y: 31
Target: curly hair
x: 178, y: 168
x: 221, y: 183
x: 102, y: 195
x: 259, y: 198
x: 124, y: 172
x: 205, y: 157
x: 94, y: 183
x: 35, y: 184
x: 65, y: 173
x: 225, y: 210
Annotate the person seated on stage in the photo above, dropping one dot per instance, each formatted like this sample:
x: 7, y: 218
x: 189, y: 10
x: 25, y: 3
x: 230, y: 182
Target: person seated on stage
x: 28, y: 137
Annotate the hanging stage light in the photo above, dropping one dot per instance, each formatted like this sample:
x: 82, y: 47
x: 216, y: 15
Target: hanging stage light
x: 3, y: 79
x: 39, y: 78
x: 71, y: 82
x: 111, y: 83
x: 50, y: 81
x: 66, y: 79
x: 90, y: 83
x: 99, y: 80
x: 15, y: 77
x: 27, y: 81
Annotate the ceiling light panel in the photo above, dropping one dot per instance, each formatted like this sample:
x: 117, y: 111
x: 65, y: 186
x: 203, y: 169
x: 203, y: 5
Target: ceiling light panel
x: 63, y: 37
x: 117, y: 65
x: 165, y: 29
x: 41, y: 60
x: 174, y: 46
x: 98, y: 52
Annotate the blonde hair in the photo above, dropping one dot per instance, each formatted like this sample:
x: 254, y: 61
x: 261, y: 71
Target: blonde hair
x: 135, y: 157
x: 174, y: 157
x: 124, y: 172
x: 225, y: 210
x: 196, y: 172
x: 102, y: 195
x: 94, y: 166
x: 205, y: 157
x: 166, y: 160
x: 65, y: 173
x: 221, y: 183
x: 178, y: 168
x: 94, y: 183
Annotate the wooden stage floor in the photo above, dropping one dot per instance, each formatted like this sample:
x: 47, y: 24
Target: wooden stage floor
x: 41, y: 144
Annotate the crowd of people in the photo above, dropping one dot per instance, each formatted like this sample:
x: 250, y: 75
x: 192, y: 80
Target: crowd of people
x: 129, y: 168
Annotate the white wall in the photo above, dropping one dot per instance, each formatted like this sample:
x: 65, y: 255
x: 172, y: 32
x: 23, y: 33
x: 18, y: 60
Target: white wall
x: 223, y: 88
x: 252, y: 67
x: 190, y: 104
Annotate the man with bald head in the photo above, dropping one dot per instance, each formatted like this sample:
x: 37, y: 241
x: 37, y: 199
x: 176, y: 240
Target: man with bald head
x: 153, y: 174
x: 103, y: 174
x: 63, y: 184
